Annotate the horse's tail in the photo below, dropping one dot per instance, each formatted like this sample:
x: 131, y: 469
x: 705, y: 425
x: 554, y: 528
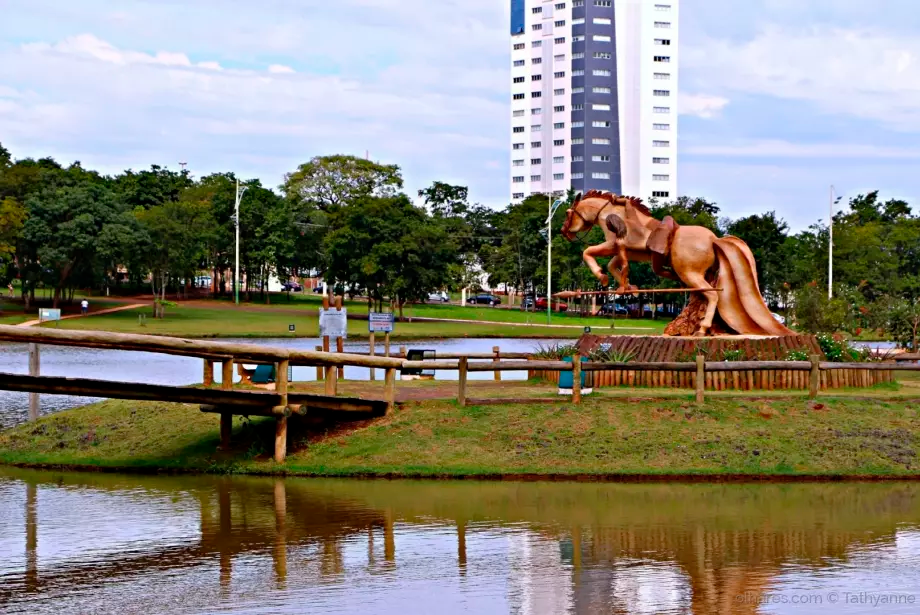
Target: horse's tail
x: 741, y: 305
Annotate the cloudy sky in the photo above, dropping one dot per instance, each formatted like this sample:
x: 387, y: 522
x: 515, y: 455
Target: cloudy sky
x: 779, y: 98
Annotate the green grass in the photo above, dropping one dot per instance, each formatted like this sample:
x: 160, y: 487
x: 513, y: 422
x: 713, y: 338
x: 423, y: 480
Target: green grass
x: 739, y: 436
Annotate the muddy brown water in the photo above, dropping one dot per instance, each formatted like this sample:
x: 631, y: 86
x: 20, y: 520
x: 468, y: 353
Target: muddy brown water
x: 109, y: 543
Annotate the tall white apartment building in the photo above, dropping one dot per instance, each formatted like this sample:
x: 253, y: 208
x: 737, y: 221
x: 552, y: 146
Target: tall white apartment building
x: 594, y: 97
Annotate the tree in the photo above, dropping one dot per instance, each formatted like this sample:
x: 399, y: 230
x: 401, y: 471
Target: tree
x: 765, y: 235
x: 815, y: 313
x: 328, y: 182
x: 904, y: 322
x: 148, y: 189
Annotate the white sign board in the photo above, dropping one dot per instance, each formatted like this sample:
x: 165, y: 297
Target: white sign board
x: 333, y: 323
x: 380, y: 322
x: 49, y: 314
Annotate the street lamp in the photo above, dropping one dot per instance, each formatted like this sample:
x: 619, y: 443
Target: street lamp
x: 830, y: 244
x: 236, y: 220
x: 553, y: 206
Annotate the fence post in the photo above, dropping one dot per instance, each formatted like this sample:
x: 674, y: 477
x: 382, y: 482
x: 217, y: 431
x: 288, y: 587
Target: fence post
x: 461, y: 393
x: 208, y: 372
x: 332, y: 381
x: 498, y: 356
x: 226, y: 418
x: 576, y: 379
x: 319, y: 368
x: 700, y: 378
x: 339, y: 342
x: 373, y: 350
x: 814, y: 381
x: 386, y: 344
x: 34, y: 370
x: 389, y: 389
x: 281, y: 387
x: 403, y: 352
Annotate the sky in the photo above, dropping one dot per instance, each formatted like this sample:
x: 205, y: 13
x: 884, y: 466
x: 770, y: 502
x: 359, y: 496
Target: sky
x: 779, y: 99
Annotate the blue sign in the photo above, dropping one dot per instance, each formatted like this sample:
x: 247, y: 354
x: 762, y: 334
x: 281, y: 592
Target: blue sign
x: 380, y: 322
x: 49, y: 314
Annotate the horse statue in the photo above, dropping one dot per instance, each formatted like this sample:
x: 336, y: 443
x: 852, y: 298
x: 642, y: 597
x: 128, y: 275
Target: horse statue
x: 723, y: 266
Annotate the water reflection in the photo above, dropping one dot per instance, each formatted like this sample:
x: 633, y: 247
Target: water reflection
x: 88, y: 543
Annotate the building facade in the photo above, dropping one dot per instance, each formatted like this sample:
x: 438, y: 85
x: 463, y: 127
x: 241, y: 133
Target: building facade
x: 594, y: 97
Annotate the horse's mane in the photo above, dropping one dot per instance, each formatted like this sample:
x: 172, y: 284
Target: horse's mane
x: 633, y: 201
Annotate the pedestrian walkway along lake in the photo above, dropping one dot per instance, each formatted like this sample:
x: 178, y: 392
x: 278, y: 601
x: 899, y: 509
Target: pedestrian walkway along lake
x: 152, y: 368
x: 94, y: 543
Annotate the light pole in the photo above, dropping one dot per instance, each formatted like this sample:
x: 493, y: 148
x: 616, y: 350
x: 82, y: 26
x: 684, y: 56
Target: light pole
x: 236, y: 220
x: 830, y: 244
x: 553, y: 206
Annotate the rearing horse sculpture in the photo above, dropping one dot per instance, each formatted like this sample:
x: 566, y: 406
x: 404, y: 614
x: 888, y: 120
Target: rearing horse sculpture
x: 690, y: 254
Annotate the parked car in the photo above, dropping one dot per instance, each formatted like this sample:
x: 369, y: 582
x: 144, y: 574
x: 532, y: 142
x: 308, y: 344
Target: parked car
x: 485, y: 299
x: 527, y: 303
x: 779, y: 318
x: 318, y: 288
x: 557, y: 305
x: 439, y: 296
x: 291, y: 287
x: 610, y: 308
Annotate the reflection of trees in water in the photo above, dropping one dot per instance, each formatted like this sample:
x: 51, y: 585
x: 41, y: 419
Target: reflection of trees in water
x: 605, y: 543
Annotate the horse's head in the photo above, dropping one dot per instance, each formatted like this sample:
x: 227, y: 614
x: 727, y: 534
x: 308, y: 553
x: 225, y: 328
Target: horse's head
x: 574, y: 222
x: 595, y: 205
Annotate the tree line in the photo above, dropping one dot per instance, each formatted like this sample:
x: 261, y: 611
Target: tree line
x: 350, y: 220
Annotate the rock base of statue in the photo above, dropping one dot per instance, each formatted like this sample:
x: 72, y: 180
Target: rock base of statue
x: 688, y: 321
x: 658, y: 349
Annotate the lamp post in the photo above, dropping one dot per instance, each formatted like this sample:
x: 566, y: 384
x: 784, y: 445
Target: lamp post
x: 830, y: 243
x: 236, y: 220
x: 553, y: 206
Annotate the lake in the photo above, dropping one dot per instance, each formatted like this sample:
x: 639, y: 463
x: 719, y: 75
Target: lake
x: 108, y: 543
x: 153, y: 368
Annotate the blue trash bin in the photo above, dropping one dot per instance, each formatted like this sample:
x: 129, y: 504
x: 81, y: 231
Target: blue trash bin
x: 565, y: 378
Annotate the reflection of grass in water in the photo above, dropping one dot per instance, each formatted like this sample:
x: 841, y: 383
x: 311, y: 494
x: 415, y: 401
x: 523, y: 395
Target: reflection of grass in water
x: 741, y: 435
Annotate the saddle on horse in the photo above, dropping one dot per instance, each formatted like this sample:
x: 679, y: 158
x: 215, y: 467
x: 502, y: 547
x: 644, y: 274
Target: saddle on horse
x: 659, y: 244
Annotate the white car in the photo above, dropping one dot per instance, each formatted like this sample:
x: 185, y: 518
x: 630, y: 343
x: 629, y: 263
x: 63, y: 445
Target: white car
x: 440, y: 296
x: 779, y: 317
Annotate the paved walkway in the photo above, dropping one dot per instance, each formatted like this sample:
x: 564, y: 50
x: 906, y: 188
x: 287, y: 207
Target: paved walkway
x: 120, y: 308
x: 516, y: 324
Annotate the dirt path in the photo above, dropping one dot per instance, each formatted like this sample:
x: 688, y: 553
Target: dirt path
x: 120, y: 308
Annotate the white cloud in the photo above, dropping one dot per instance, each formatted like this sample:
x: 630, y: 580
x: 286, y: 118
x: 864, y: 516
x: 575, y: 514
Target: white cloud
x: 864, y: 73
x: 279, y: 69
x: 771, y: 148
x: 701, y: 105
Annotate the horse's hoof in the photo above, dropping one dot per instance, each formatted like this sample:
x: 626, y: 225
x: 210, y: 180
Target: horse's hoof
x: 605, y: 281
x: 700, y: 333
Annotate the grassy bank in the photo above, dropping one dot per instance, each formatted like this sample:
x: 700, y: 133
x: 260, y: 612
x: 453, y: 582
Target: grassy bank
x: 748, y: 436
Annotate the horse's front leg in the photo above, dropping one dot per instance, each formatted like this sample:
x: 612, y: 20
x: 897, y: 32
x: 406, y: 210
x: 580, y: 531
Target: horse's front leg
x: 589, y: 256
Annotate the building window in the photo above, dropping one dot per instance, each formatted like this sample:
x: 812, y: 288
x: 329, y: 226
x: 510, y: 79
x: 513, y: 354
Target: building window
x: 536, y: 144
x: 517, y: 163
x: 603, y: 55
x: 559, y: 92
x: 663, y: 76
x: 559, y: 58
x: 518, y: 80
x: 536, y: 94
x: 558, y: 125
x: 537, y: 61
x: 661, y: 92
x: 536, y: 77
x: 539, y: 9
x: 517, y: 195
x: 518, y: 113
x: 534, y: 178
x: 517, y: 179
x: 661, y: 126
x: 559, y: 23
x: 660, y: 194
x: 662, y: 7
x: 601, y: 2
x: 518, y: 46
x: 536, y: 111
x: 601, y: 90
x: 578, y: 124
x: 578, y: 90
x: 518, y: 129
x: 578, y: 73
x: 519, y: 62
x: 600, y: 141
x: 578, y: 21
x: 578, y: 56
x: 560, y: 6
x: 577, y: 3
x: 661, y: 160
x: 578, y: 141
x: 558, y: 109
x: 517, y: 146
x: 600, y: 176
x: 578, y: 175
x: 603, y: 21
x: 578, y: 38
x: 536, y: 44
x: 661, y: 109
x: 578, y: 158
x: 536, y: 128
x: 600, y: 38
x: 662, y: 24
x: 536, y: 161
x: 558, y: 142
x: 559, y: 40
x: 596, y: 107
x: 517, y: 96
x: 559, y: 75
x: 558, y: 159
x: 536, y: 26
x: 597, y: 124
x: 558, y: 176
x: 661, y: 143
x: 661, y: 178
x: 662, y: 58
x: 603, y: 158
x: 662, y: 41
x: 578, y: 107
x: 600, y: 72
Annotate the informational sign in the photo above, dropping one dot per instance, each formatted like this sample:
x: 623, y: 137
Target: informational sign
x: 380, y: 322
x: 333, y: 323
x: 291, y: 328
x: 49, y: 314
